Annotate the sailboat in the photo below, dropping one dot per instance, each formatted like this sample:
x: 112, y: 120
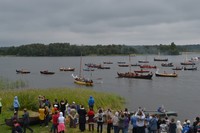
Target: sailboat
x: 80, y: 79
x: 160, y: 59
x: 143, y: 61
x: 134, y: 74
x: 186, y: 62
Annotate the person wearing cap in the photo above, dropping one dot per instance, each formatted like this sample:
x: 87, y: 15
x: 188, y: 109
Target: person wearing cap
x: 26, y: 121
x: 0, y: 105
x: 16, y: 104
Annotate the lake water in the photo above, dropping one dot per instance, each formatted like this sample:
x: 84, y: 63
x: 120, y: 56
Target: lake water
x: 179, y: 94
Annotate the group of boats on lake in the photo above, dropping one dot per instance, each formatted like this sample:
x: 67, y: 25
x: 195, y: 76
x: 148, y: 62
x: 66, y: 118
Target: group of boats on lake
x: 143, y: 73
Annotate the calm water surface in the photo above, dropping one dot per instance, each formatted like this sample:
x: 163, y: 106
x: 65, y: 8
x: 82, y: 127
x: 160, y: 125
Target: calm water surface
x: 180, y: 94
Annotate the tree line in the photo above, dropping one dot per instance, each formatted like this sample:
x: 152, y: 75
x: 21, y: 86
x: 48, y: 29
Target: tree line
x: 66, y: 49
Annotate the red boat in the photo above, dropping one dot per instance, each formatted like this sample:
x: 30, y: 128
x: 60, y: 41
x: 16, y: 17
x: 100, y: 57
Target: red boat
x: 141, y: 71
x: 147, y: 66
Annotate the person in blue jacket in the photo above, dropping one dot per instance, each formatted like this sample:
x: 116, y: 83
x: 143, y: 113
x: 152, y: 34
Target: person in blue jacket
x: 16, y: 104
x: 91, y: 102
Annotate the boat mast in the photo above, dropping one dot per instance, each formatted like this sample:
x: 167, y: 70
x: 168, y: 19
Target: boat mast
x: 80, y: 66
x: 129, y: 63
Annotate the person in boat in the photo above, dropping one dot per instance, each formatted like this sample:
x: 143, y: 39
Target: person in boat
x: 161, y: 109
x: 26, y: 121
x: 17, y: 128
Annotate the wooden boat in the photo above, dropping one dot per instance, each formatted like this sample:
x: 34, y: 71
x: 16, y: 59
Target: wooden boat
x: 67, y: 69
x: 159, y: 59
x: 143, y: 61
x: 121, y: 62
x: 141, y: 71
x: 107, y: 62
x: 135, y: 75
x: 103, y: 67
x: 88, y: 69
x: 163, y: 114
x: 123, y: 65
x: 190, y: 68
x: 47, y: 72
x: 147, y: 66
x: 177, y: 68
x: 187, y: 63
x: 166, y: 74
x: 22, y: 71
x: 167, y: 65
x: 33, y: 120
x: 81, y: 80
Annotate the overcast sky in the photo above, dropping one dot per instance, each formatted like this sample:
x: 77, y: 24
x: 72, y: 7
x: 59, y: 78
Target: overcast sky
x: 92, y: 22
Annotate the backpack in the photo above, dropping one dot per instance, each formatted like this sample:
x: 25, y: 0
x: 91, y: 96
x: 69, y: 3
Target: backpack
x: 186, y: 129
x: 100, y: 117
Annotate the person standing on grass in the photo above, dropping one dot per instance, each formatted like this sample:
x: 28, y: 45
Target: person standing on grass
x: 91, y: 102
x: 91, y: 115
x: 115, y: 120
x: 16, y: 104
x: 26, y: 121
x: 41, y: 115
x: 0, y: 105
x: 61, y: 123
x: 82, y: 118
x: 100, y: 120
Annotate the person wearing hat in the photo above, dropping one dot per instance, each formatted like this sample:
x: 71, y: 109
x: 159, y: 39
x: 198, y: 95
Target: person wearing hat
x: 0, y: 105
x: 26, y: 121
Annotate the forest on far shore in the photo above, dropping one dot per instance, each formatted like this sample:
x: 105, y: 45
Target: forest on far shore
x: 67, y: 49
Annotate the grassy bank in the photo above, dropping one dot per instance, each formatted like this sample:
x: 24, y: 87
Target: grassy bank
x: 28, y: 98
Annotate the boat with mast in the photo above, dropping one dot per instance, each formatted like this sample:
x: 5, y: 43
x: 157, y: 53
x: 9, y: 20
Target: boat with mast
x: 160, y: 59
x: 134, y: 74
x: 80, y: 79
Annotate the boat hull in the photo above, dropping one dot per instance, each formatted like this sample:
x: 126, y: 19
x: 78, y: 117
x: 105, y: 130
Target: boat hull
x: 166, y: 75
x: 33, y: 121
x: 47, y: 72
x: 134, y: 75
x: 83, y: 83
x: 22, y: 72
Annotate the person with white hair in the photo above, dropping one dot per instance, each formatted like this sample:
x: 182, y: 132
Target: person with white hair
x: 115, y: 120
x: 179, y: 127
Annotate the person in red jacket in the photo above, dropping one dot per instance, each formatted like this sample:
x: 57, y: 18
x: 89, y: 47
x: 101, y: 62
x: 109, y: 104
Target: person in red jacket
x: 91, y: 121
x: 55, y: 122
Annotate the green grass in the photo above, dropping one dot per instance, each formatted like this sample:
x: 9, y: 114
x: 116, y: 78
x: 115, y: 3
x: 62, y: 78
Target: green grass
x: 28, y: 98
